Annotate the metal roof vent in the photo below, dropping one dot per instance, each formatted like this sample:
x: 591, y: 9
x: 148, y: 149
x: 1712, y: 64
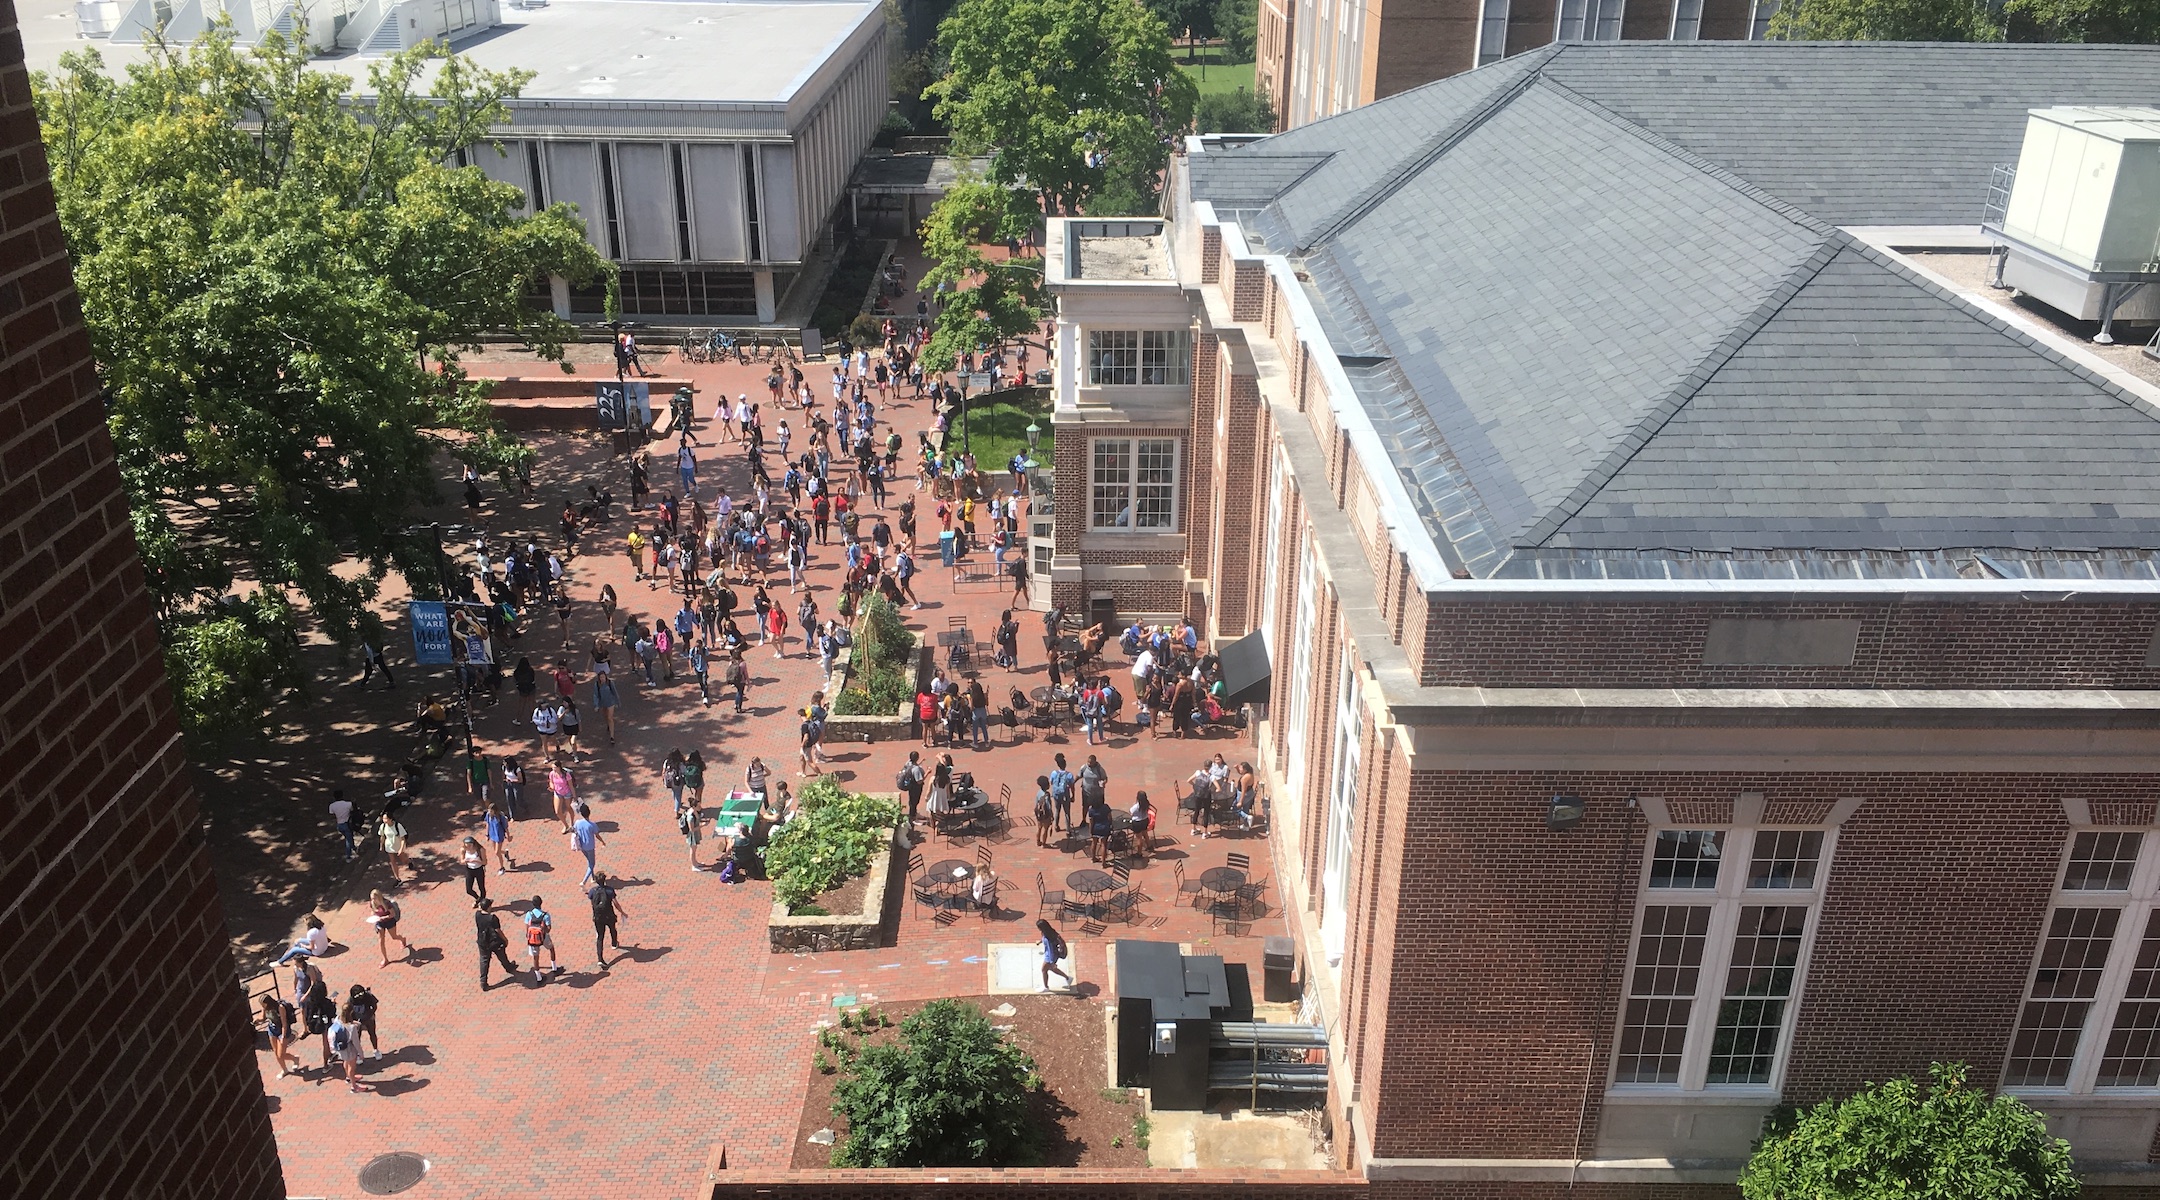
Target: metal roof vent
x: 2079, y: 227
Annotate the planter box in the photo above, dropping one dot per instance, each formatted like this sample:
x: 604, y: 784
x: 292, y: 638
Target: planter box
x: 840, y: 931
x: 871, y: 728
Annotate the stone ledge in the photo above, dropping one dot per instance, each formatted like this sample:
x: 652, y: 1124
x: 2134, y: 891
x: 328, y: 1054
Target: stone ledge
x: 861, y: 930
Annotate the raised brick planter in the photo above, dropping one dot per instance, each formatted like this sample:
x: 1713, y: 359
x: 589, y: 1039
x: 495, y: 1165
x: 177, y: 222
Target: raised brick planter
x: 839, y: 931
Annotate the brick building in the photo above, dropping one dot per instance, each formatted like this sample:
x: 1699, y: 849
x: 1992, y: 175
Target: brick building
x: 1712, y: 651
x: 1315, y: 59
x: 128, y: 1068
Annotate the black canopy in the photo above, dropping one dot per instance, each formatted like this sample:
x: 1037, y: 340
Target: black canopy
x: 1245, y: 671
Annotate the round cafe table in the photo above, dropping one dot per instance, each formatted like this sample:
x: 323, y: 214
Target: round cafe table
x: 1090, y: 884
x: 950, y: 874
x: 1221, y: 880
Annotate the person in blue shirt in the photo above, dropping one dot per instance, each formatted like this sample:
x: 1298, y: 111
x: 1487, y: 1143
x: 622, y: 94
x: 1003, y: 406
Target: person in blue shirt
x: 586, y: 837
x: 1061, y: 793
x: 539, y: 934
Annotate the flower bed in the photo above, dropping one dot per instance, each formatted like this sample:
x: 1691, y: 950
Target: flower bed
x: 835, y: 836
x: 874, y: 698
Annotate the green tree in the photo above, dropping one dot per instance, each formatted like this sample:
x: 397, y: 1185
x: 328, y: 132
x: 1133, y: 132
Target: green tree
x: 1062, y: 94
x: 1178, y: 16
x: 950, y: 1091
x: 1886, y: 21
x: 1948, y: 1141
x: 1234, y: 112
x: 2117, y: 21
x: 277, y: 277
x: 1237, y: 23
x: 986, y: 300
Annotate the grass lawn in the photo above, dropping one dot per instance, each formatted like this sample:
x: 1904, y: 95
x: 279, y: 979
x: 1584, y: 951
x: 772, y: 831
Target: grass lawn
x: 998, y: 430
x: 1211, y: 78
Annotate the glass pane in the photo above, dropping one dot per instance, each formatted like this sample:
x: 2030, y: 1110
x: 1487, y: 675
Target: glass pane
x: 1661, y: 991
x: 1113, y: 356
x: 2071, y: 961
x: 1785, y: 858
x: 2133, y: 1046
x: 1766, y: 953
x: 1157, y: 459
x: 2102, y: 862
x: 1686, y: 858
x: 1109, y: 503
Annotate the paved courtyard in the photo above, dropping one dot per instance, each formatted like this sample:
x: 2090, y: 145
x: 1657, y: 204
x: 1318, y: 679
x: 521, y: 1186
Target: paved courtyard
x: 619, y: 1083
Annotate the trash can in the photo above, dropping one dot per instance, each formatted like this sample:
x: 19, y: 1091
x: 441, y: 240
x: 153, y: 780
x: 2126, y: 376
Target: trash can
x: 945, y: 544
x: 1102, y: 611
x: 1278, y: 961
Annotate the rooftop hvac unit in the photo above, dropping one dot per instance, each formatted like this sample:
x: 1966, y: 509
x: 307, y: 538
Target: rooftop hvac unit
x: 2080, y: 228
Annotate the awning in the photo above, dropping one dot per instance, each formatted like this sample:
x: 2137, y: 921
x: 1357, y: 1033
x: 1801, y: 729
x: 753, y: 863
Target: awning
x: 1245, y: 671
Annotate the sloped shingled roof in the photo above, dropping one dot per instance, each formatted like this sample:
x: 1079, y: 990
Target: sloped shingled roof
x: 1594, y: 316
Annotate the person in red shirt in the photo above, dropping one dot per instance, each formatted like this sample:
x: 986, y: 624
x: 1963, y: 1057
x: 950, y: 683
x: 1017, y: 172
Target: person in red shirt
x: 565, y: 681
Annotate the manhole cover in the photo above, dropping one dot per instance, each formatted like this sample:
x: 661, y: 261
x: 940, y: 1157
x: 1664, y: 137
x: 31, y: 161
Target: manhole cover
x: 389, y: 1174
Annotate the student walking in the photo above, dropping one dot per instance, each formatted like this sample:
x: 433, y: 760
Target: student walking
x: 606, y: 910
x: 498, y: 836
x: 564, y: 789
x: 364, y: 1006
x: 383, y: 914
x: 540, y: 935
x: 513, y: 786
x: 911, y: 784
x: 344, y: 1042
x: 281, y: 1021
x: 341, y: 814
x: 1054, y: 951
x: 392, y: 836
x: 474, y: 860
x: 494, y: 945
x: 690, y: 818
x: 739, y: 677
x: 1061, y: 783
x: 586, y: 837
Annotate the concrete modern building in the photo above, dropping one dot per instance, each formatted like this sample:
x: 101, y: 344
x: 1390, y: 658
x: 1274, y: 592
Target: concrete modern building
x: 1316, y: 59
x: 707, y: 143
x: 1706, y: 651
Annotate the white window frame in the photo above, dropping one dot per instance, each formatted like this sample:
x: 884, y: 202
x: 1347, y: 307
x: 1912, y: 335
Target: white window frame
x: 1686, y: 21
x: 1145, y: 357
x: 1129, y: 487
x: 1302, y: 637
x: 1342, y: 807
x: 1103, y: 371
x: 2136, y: 904
x: 1492, y: 32
x: 1278, y: 503
x: 1725, y: 902
x: 1589, y: 20
x: 1759, y: 20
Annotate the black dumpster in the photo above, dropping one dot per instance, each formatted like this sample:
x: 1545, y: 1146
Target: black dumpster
x: 1278, y: 962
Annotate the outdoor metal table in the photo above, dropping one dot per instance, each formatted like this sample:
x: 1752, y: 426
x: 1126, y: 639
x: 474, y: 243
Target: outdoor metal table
x: 949, y: 877
x: 955, y: 637
x: 1220, y: 880
x: 1091, y: 884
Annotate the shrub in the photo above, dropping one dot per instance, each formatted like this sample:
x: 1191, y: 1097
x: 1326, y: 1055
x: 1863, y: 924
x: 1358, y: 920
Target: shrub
x: 948, y: 1091
x: 881, y: 663
x: 832, y: 838
x: 1945, y: 1142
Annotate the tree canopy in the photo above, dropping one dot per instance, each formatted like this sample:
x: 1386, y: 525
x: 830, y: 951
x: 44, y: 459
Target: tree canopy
x: 2135, y: 21
x: 1885, y: 21
x: 1066, y: 96
x: 986, y: 299
x: 1237, y: 23
x: 1240, y: 111
x: 267, y: 264
x: 1900, y: 1141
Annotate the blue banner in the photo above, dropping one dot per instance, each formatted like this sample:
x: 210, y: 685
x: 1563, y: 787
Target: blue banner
x: 430, y: 631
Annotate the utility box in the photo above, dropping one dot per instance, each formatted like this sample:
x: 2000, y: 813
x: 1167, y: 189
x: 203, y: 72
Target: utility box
x: 1278, y: 963
x: 1168, y: 1004
x: 2088, y: 188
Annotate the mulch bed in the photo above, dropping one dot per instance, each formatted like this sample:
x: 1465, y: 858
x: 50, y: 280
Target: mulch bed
x: 1078, y: 1113
x: 845, y: 900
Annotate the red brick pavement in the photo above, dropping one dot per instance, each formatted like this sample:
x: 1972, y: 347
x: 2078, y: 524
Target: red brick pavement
x: 618, y: 1084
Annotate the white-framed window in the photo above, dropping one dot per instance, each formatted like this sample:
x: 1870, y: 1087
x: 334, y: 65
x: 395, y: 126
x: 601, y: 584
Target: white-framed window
x: 1342, y: 809
x: 1492, y: 33
x: 1132, y: 486
x: 1126, y: 357
x: 1302, y: 636
x: 1687, y: 20
x: 1721, y: 944
x: 1278, y: 502
x: 2091, y: 1017
x: 1759, y: 28
x: 1589, y: 20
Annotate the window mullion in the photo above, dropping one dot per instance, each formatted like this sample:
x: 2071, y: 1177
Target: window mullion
x: 1709, y: 989
x: 2100, y: 1017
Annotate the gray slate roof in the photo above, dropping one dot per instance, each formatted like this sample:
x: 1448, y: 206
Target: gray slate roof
x: 1582, y: 331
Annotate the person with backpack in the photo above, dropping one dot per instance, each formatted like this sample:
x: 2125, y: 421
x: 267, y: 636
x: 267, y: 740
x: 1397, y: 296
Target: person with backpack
x: 739, y: 678
x: 910, y: 784
x: 540, y: 935
x: 488, y: 934
x: 343, y: 1039
x: 497, y: 828
x: 1045, y: 811
x: 690, y: 819
x: 1008, y: 641
x: 383, y: 914
x: 606, y: 910
x: 362, y: 1003
x: 809, y: 732
x: 281, y: 1023
x: 1054, y: 951
x: 1061, y: 784
x: 904, y: 575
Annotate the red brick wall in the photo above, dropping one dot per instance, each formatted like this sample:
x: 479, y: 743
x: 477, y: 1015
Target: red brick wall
x: 956, y: 1183
x: 2010, y: 644
x: 1509, y: 943
x: 126, y: 1065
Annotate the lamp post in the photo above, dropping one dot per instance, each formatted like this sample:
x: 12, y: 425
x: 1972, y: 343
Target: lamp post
x: 1034, y: 437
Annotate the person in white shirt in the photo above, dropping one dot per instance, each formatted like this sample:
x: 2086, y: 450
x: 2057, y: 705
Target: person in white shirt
x: 313, y: 943
x: 341, y: 811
